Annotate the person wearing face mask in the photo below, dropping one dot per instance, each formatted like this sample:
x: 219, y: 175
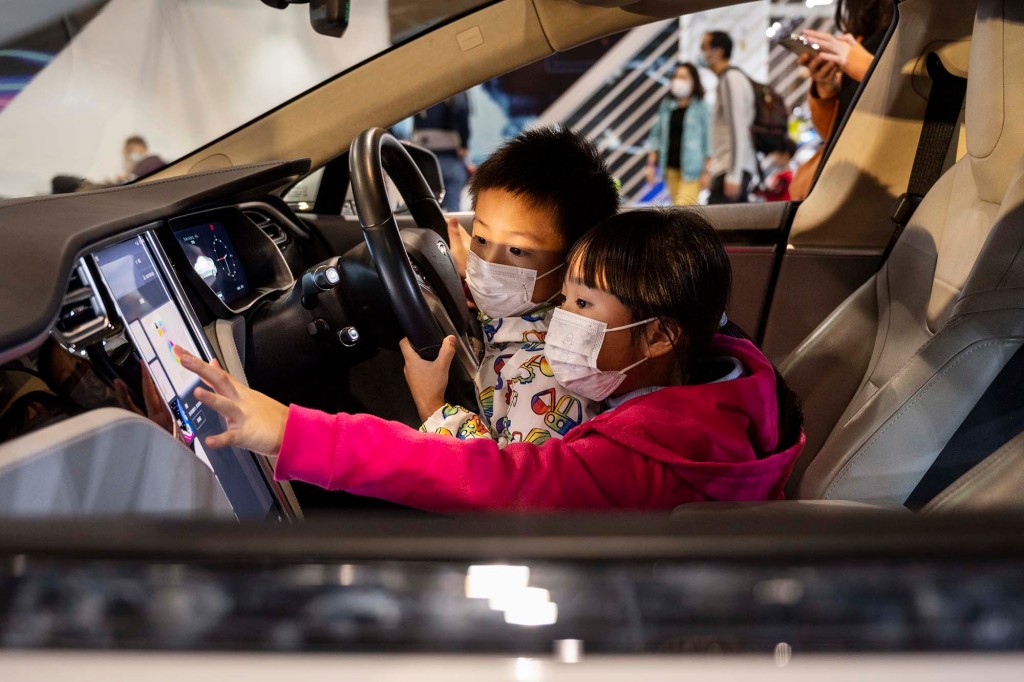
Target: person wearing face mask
x: 532, y: 199
x: 695, y: 412
x: 679, y: 144
x: 138, y: 161
x: 733, y: 156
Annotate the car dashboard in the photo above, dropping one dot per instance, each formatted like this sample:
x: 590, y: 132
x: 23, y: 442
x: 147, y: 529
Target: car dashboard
x: 107, y: 284
x: 187, y: 279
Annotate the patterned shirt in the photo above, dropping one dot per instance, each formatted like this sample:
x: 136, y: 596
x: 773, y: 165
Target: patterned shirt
x: 520, y: 401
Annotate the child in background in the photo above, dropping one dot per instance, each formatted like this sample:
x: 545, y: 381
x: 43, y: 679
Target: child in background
x: 693, y: 414
x: 779, y: 169
x: 533, y: 198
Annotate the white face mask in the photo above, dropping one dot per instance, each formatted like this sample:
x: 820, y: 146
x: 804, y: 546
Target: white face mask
x: 503, y: 290
x: 681, y: 88
x: 132, y: 159
x: 572, y: 345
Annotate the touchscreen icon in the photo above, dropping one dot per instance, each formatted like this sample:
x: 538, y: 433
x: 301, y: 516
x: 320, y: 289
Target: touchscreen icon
x: 161, y: 333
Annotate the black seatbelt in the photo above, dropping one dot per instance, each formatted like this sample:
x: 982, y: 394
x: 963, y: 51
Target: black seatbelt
x: 940, y: 124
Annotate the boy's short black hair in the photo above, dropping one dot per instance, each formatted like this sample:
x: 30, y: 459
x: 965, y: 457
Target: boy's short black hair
x: 721, y: 40
x: 556, y: 169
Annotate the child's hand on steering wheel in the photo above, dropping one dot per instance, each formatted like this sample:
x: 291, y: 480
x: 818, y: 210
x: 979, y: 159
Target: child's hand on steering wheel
x: 428, y: 379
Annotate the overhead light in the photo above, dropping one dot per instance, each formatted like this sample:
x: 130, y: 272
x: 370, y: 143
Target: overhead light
x: 811, y: 4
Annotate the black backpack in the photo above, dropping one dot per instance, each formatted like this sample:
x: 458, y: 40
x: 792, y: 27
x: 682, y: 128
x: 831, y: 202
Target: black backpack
x: 771, y: 117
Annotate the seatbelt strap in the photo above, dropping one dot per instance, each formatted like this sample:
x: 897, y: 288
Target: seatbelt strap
x: 945, y: 101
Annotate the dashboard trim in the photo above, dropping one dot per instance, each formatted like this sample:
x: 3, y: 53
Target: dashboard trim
x: 232, y: 217
x: 66, y: 227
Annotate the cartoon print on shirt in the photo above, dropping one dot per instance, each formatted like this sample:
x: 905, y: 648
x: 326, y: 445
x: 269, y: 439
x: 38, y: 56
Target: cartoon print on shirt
x: 472, y: 428
x: 533, y: 340
x: 535, y: 436
x: 530, y: 368
x: 491, y: 326
x: 499, y: 364
x: 560, y: 414
x: 538, y: 316
x: 513, y: 358
x: 567, y: 414
x: 486, y: 403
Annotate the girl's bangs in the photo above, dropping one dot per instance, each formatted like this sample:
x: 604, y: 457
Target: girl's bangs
x: 608, y: 261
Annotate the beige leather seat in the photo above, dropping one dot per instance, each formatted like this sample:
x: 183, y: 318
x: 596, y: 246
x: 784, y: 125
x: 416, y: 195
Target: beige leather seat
x: 889, y: 377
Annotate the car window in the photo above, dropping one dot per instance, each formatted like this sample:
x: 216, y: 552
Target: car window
x: 77, y: 84
x: 618, y: 90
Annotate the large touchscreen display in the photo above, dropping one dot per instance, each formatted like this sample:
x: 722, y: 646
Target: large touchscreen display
x: 156, y: 326
x: 212, y: 255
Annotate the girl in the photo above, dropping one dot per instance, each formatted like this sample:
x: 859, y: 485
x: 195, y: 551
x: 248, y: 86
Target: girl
x: 680, y: 142
x: 692, y: 414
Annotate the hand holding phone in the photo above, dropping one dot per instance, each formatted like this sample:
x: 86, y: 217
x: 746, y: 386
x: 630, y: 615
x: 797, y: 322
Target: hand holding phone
x: 799, y: 45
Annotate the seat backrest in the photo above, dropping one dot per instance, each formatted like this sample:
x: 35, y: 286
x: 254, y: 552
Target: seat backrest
x: 920, y: 342
x: 993, y: 484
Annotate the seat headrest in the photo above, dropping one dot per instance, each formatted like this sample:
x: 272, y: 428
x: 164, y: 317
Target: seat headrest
x: 995, y: 96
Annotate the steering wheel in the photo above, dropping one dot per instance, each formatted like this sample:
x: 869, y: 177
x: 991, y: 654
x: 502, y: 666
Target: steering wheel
x: 427, y: 296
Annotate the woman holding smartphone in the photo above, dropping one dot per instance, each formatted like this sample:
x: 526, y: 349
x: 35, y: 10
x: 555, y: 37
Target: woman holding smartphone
x: 837, y: 67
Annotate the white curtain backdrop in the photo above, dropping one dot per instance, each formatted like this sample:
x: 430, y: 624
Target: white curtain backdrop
x: 178, y: 72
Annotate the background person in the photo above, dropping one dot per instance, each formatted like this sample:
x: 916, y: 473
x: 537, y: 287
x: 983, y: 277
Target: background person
x: 680, y: 141
x: 778, y: 173
x: 837, y: 71
x: 444, y: 130
x: 733, y: 158
x: 138, y: 160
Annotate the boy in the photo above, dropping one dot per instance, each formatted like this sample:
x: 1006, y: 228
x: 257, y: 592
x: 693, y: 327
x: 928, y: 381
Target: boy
x: 533, y: 198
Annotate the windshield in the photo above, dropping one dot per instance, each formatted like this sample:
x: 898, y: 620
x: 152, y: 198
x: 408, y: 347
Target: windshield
x: 101, y: 92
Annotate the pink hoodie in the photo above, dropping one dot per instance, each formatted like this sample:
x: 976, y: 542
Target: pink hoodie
x: 679, y: 444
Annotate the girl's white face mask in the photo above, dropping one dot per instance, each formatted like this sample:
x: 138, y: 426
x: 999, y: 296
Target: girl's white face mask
x: 572, y: 345
x: 681, y: 89
x: 503, y: 290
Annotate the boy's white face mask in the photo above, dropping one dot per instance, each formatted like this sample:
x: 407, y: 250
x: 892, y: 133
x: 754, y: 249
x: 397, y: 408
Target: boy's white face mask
x: 503, y: 290
x: 572, y: 345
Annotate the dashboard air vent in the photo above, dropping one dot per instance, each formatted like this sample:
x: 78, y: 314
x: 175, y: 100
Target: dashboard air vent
x: 82, y: 319
x: 269, y: 226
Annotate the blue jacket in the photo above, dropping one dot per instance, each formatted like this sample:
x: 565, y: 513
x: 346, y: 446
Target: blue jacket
x: 696, y: 136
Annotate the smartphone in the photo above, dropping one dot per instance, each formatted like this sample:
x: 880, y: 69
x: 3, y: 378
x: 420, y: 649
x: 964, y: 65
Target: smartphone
x: 800, y: 45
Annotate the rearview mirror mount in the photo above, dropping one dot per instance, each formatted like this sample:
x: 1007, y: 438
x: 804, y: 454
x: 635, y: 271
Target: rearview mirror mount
x: 328, y: 17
